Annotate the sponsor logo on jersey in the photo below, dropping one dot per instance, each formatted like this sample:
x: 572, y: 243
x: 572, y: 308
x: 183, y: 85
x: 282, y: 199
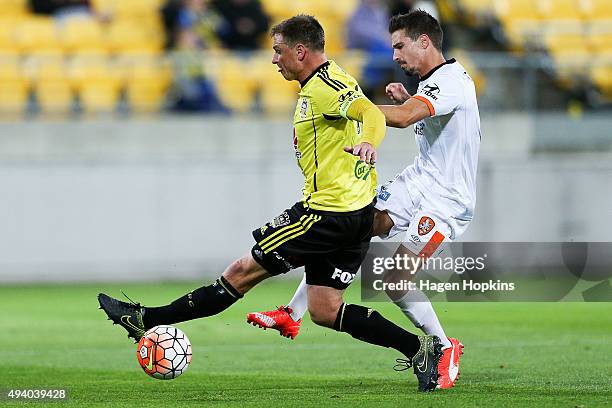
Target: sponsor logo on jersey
x: 298, y: 153
x: 362, y: 170
x: 414, y: 238
x: 342, y: 276
x: 426, y: 224
x: 431, y: 91
x: 384, y: 194
x: 346, y: 100
x: 419, y: 128
x: 345, y: 96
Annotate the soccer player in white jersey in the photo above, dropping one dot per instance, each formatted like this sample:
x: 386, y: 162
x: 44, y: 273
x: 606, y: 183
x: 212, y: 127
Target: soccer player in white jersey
x: 433, y: 199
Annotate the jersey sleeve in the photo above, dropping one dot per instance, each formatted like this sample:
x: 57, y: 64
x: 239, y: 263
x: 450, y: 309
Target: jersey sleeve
x: 336, y: 102
x: 441, y: 97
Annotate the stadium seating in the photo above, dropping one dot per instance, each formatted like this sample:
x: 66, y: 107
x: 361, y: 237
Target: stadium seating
x: 97, y: 84
x: 80, y: 35
x: 477, y: 6
x: 120, y: 63
x: 601, y: 74
x: 352, y: 62
x: 521, y: 20
x: 332, y: 15
x: 278, y: 9
x: 276, y: 95
x: 236, y: 84
x: 128, y: 9
x: 14, y: 8
x: 600, y: 40
x: 146, y: 82
x: 575, y: 33
x: 14, y: 86
x: 123, y: 38
x: 37, y: 35
x: 51, y: 83
x: 598, y: 10
x: 566, y: 42
x: 562, y: 10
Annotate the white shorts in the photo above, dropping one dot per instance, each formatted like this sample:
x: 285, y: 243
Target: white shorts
x: 428, y: 224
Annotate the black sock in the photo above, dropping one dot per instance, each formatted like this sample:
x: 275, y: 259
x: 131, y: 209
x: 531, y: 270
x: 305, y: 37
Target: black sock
x: 202, y: 302
x: 368, y: 325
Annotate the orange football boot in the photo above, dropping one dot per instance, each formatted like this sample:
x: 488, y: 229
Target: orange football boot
x: 279, y: 319
x: 448, y: 367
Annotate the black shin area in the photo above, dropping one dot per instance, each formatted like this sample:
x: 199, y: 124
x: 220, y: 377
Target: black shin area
x: 370, y: 326
x: 202, y: 302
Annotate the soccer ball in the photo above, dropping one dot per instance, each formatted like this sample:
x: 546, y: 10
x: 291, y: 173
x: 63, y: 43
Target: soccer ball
x: 164, y: 352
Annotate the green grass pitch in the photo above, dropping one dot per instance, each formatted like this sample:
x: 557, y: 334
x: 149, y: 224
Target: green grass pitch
x: 517, y: 354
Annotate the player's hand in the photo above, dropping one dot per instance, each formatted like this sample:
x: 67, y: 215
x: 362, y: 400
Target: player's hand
x: 365, y: 151
x: 397, y: 93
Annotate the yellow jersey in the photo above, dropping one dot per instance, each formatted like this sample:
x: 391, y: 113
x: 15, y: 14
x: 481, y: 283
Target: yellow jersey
x: 335, y: 181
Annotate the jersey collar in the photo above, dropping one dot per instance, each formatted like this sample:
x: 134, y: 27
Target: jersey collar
x: 320, y: 67
x: 430, y: 73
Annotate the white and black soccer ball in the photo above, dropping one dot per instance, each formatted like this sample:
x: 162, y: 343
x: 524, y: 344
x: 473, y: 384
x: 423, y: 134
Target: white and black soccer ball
x: 164, y: 352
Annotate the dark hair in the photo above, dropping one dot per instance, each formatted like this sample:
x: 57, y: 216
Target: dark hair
x: 302, y: 29
x: 416, y: 23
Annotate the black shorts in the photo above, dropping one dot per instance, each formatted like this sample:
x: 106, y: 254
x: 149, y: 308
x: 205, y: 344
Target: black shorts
x: 330, y: 245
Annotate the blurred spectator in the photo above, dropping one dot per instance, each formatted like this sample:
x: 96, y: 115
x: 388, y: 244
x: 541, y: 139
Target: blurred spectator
x: 61, y: 9
x: 404, y: 6
x: 194, y: 92
x: 170, y: 17
x: 196, y: 25
x: 367, y: 30
x: 244, y: 23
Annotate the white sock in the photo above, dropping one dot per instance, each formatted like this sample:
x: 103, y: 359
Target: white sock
x: 299, y: 302
x: 417, y: 307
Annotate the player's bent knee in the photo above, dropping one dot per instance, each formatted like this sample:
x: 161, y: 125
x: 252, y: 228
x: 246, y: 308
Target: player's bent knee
x: 323, y: 312
x: 244, y: 273
x: 323, y: 316
x: 382, y: 223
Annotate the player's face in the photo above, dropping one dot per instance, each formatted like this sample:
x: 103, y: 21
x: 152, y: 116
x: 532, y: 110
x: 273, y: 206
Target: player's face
x: 407, y: 54
x: 285, y: 58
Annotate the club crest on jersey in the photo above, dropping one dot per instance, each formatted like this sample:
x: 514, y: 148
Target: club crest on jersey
x: 298, y: 154
x: 426, y: 224
x: 432, y: 91
x: 281, y: 220
x: 304, y: 108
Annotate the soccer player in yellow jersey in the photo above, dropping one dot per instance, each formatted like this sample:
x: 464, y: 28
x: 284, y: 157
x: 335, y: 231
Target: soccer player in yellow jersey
x: 433, y: 199
x: 328, y: 231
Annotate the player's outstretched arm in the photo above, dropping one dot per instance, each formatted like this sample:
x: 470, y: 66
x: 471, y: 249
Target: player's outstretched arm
x: 406, y: 114
x: 374, y: 128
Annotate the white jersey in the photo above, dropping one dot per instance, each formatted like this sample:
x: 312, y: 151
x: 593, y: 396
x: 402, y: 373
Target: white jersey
x: 433, y: 199
x: 449, y: 140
